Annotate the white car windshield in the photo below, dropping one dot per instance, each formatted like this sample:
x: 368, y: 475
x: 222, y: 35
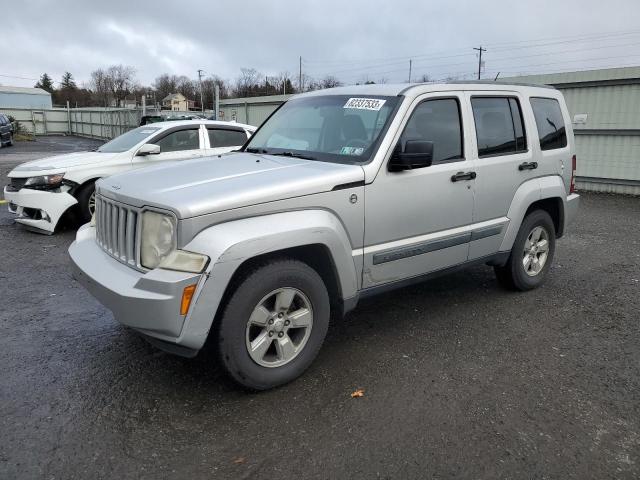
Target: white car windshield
x: 127, y: 140
x: 333, y: 128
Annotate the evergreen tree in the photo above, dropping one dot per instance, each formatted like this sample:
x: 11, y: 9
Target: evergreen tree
x: 45, y: 83
x: 68, y: 81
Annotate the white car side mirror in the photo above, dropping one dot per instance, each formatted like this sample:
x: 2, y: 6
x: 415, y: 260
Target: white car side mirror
x: 148, y: 149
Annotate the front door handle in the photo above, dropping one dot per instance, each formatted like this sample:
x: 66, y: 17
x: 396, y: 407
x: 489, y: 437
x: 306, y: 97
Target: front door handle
x: 463, y: 176
x: 528, y: 166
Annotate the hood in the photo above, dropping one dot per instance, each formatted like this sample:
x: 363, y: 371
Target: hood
x: 214, y: 184
x: 60, y: 163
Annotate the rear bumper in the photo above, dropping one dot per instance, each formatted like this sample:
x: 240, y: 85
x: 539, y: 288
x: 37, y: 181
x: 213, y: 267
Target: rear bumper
x: 571, y: 210
x: 148, y: 302
x: 37, y: 209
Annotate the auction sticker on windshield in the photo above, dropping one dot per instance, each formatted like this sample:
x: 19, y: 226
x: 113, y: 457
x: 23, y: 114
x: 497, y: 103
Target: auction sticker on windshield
x: 365, y: 103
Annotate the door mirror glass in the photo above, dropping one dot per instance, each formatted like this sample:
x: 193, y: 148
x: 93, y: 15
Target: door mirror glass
x: 416, y: 154
x: 148, y: 149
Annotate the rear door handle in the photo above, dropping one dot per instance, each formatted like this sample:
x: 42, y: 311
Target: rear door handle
x: 528, y: 166
x: 463, y: 176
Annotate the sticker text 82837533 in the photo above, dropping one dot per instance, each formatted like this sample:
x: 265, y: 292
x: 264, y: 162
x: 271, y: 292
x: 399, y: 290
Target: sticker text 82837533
x: 365, y: 103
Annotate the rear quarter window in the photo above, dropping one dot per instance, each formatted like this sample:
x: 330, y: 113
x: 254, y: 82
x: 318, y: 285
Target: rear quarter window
x: 551, y: 129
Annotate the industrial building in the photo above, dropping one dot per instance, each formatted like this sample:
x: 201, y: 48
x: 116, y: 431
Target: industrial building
x: 605, y: 111
x: 24, y: 97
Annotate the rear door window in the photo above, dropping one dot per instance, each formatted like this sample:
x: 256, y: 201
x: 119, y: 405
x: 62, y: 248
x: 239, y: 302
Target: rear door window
x: 551, y: 129
x: 499, y: 126
x: 219, y: 137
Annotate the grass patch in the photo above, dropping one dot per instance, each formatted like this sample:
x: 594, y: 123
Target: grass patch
x: 23, y: 137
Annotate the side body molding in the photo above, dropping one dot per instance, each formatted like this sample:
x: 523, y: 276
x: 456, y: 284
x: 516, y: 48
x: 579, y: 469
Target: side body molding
x: 529, y: 192
x: 230, y: 244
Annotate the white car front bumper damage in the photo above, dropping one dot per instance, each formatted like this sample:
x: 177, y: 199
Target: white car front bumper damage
x: 39, y: 210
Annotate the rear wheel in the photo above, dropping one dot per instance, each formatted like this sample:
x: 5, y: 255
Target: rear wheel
x: 531, y: 255
x: 273, y: 324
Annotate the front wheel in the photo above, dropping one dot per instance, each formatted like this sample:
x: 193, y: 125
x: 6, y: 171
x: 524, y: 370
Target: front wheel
x: 86, y: 202
x: 531, y: 255
x: 273, y: 324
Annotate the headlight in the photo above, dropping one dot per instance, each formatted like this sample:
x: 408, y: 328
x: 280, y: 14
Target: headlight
x: 158, y: 238
x: 158, y: 246
x: 45, y: 181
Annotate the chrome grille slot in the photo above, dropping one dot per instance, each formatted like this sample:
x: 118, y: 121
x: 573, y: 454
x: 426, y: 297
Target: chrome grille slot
x: 116, y: 230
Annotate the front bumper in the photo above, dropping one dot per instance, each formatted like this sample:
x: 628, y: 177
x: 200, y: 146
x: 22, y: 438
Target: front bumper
x: 147, y: 302
x: 38, y: 209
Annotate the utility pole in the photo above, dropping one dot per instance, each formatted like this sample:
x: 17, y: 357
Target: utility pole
x: 480, y: 58
x: 410, y: 64
x: 216, y: 105
x: 200, y: 72
x: 300, y: 76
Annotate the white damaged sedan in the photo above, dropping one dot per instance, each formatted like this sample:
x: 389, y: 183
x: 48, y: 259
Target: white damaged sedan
x: 41, y: 191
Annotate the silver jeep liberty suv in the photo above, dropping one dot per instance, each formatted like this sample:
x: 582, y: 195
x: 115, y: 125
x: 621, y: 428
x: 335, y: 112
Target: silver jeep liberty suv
x: 339, y: 195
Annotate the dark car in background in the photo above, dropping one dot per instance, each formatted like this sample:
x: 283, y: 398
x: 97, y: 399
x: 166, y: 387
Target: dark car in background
x: 6, y: 131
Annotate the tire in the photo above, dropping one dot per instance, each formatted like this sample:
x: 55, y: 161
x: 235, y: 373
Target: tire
x: 84, y: 197
x: 10, y: 142
x: 246, y: 318
x: 526, y: 270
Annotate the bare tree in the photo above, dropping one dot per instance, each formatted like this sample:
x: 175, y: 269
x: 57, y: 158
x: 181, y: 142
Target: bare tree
x: 424, y: 78
x: 330, y: 82
x: 165, y: 85
x: 248, y: 82
x: 100, y: 87
x: 121, y: 81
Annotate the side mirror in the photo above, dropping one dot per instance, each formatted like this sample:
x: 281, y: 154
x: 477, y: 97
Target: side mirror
x: 148, y: 149
x: 416, y: 154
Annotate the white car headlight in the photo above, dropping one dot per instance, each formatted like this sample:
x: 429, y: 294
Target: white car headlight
x: 45, y: 181
x: 158, y: 238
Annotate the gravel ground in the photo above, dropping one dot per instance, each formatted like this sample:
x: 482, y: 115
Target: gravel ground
x: 461, y: 379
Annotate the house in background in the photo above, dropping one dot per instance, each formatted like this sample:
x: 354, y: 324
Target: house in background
x: 177, y: 103
x: 24, y: 97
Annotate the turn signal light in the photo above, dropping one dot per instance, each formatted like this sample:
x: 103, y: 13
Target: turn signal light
x: 187, y: 296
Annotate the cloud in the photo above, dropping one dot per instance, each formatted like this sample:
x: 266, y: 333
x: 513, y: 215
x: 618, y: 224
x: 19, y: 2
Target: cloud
x: 353, y: 40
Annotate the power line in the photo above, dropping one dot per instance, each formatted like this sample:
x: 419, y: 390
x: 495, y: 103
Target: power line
x: 501, y: 47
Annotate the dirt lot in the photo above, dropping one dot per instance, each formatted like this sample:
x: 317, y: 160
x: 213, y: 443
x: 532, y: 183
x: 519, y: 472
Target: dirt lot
x: 461, y: 378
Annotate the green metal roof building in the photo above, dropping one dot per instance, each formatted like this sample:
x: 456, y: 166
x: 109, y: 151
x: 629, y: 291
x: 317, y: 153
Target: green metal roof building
x: 605, y: 109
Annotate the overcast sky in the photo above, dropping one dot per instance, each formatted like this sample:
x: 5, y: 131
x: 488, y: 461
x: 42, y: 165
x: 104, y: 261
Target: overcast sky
x: 354, y: 40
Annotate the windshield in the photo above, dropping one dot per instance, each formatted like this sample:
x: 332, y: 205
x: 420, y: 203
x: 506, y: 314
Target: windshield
x: 127, y: 140
x: 334, y: 128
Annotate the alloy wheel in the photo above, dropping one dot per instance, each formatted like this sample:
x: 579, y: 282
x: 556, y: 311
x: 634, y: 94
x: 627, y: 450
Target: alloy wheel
x: 279, y: 327
x: 536, y: 251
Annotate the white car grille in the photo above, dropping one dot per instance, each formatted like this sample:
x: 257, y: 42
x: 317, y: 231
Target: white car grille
x: 116, y: 230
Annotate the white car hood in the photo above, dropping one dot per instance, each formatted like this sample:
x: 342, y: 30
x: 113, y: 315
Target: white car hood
x: 60, y: 163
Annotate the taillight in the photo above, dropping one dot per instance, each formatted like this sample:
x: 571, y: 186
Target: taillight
x: 572, y: 185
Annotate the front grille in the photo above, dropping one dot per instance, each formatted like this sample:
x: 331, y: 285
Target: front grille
x: 116, y: 230
x: 16, y: 184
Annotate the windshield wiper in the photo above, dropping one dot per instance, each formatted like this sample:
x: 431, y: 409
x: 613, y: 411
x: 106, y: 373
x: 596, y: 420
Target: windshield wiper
x: 295, y: 155
x: 255, y: 150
